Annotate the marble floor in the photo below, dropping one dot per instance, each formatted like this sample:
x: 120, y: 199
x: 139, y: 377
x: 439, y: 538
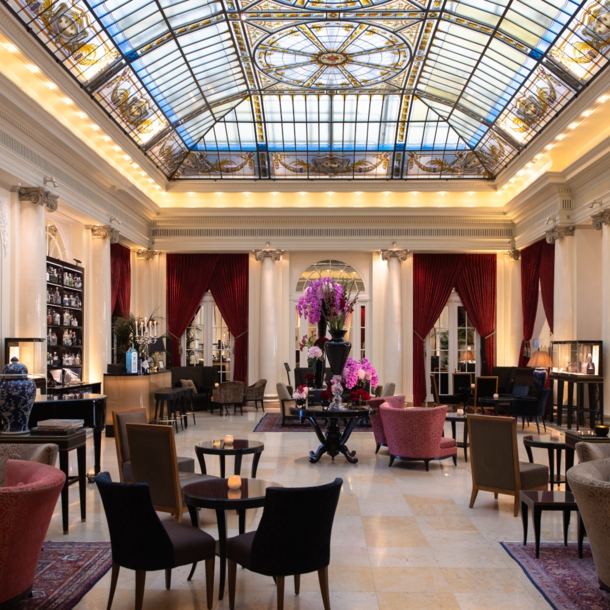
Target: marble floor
x: 402, y: 537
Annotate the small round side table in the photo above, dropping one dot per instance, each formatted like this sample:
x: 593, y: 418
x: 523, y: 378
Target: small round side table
x: 544, y: 441
x: 239, y: 448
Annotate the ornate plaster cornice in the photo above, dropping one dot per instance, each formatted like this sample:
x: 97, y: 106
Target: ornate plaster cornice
x: 105, y: 232
x: 552, y: 235
x: 601, y: 219
x: 146, y: 255
x: 38, y: 196
x: 514, y: 252
x: 394, y: 252
x: 268, y: 252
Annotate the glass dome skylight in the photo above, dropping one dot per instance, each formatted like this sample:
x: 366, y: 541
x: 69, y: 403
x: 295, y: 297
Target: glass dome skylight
x: 342, y: 89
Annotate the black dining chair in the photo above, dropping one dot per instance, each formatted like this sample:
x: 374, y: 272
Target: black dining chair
x: 293, y: 538
x: 140, y: 541
x: 532, y: 409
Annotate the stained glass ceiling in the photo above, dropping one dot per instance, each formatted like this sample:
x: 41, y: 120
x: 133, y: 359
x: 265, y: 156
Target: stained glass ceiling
x: 342, y: 89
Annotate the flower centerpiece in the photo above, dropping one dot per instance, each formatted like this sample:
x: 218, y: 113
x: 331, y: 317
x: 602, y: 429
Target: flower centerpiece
x: 300, y: 395
x: 325, y: 398
x: 359, y: 396
x: 310, y: 380
x: 357, y: 373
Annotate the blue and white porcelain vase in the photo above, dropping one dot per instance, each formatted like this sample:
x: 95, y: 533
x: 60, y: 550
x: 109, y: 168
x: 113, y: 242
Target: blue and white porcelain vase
x: 17, y: 394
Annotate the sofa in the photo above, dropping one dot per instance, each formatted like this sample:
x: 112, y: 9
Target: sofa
x: 43, y: 453
x: 204, y: 379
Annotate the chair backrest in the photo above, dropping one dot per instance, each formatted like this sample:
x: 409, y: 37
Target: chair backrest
x: 120, y: 420
x: 293, y: 536
x: 505, y: 378
x: 434, y: 386
x: 27, y: 503
x: 209, y: 376
x: 396, y: 402
x: 587, y: 452
x: 542, y: 400
x: 484, y: 387
x: 231, y: 391
x: 415, y: 432
x: 137, y: 537
x: 299, y: 374
x: 523, y: 376
x: 388, y: 389
x: 257, y: 390
x: 461, y: 381
x: 153, y: 460
x: 494, y: 453
x: 282, y: 391
x: 520, y: 390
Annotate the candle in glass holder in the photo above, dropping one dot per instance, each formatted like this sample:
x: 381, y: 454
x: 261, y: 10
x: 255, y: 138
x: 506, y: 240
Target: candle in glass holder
x: 460, y: 412
x: 472, y: 386
x: 228, y: 439
x: 496, y: 396
x: 555, y: 435
x: 234, y: 481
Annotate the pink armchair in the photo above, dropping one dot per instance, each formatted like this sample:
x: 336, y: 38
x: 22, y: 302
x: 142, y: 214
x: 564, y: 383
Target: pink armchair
x: 417, y: 434
x: 26, y: 506
x: 396, y: 402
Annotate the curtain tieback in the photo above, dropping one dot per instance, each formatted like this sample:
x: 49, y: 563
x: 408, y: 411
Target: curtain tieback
x: 493, y: 332
x: 238, y: 336
x: 419, y: 336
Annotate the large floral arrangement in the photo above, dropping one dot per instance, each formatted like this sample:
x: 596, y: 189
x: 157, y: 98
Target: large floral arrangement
x: 329, y: 298
x: 301, y: 393
x: 357, y: 372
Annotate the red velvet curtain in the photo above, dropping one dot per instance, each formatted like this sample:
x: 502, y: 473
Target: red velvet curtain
x: 188, y: 278
x: 434, y: 276
x: 229, y: 286
x: 476, y: 285
x: 547, y: 280
x: 120, y: 278
x: 530, y: 275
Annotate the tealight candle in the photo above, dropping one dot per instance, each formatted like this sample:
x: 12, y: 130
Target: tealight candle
x: 228, y: 439
x: 555, y: 435
x: 496, y: 396
x: 472, y: 386
x: 234, y: 481
x: 460, y: 412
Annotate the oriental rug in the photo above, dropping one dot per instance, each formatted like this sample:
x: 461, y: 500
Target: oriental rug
x: 271, y: 422
x: 65, y: 573
x: 565, y: 581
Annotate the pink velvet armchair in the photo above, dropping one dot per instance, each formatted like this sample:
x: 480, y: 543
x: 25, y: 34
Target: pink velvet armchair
x: 396, y: 402
x: 417, y: 434
x: 26, y: 506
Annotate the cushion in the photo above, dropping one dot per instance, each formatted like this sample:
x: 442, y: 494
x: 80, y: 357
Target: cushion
x: 190, y: 543
x: 188, y: 383
x: 240, y: 547
x: 186, y: 464
x: 447, y: 442
x: 533, y: 475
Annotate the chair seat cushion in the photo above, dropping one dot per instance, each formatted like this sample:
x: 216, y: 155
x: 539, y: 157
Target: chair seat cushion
x: 190, y: 543
x: 239, y: 549
x: 186, y: 464
x: 447, y: 442
x: 533, y: 475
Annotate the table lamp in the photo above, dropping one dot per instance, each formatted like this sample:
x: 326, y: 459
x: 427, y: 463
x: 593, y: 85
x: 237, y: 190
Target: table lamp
x: 540, y: 361
x: 466, y: 357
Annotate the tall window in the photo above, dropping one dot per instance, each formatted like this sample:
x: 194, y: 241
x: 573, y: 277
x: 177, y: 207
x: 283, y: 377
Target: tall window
x: 356, y: 324
x: 451, y: 346
x: 208, y: 341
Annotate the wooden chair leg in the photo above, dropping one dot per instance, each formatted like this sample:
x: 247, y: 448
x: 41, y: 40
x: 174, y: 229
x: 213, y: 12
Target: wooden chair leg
x: 280, y: 592
x: 232, y: 576
x: 473, y: 496
x: 140, y: 583
x: 495, y: 496
x: 209, y: 581
x: 323, y: 578
x: 517, y: 505
x: 113, y: 580
x: 377, y: 449
x: 168, y: 579
x: 297, y: 584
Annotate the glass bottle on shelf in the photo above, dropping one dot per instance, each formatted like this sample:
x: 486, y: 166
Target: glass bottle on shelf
x: 49, y: 317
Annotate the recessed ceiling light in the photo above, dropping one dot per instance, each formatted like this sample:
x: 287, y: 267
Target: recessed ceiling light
x: 127, y: 157
x: 67, y: 101
x: 32, y: 68
x: 191, y: 194
x: 218, y: 193
x: 358, y: 193
x: 603, y: 98
x: 442, y: 193
x: 549, y: 146
x: 11, y: 48
x: 50, y: 85
x: 81, y: 115
x: 106, y: 138
x: 94, y: 127
x: 561, y: 136
x: 274, y: 193
x: 302, y: 194
x: 386, y: 193
x: 117, y: 148
x: 521, y: 172
x: 414, y: 192
x: 470, y: 193
x: 587, y: 113
x: 246, y: 193
x: 573, y: 125
x: 330, y: 193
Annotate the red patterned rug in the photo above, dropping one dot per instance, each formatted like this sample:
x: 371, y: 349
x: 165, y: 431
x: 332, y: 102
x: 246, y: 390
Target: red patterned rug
x: 66, y: 571
x: 565, y: 581
x: 271, y: 422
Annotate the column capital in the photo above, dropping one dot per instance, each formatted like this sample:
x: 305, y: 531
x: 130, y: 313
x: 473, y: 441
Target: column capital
x: 513, y: 253
x: 147, y: 255
x: 38, y: 196
x: 268, y: 252
x: 601, y: 219
x: 105, y: 232
x: 394, y: 252
x: 557, y: 232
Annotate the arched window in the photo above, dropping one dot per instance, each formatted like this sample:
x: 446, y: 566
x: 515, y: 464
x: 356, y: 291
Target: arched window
x: 356, y: 323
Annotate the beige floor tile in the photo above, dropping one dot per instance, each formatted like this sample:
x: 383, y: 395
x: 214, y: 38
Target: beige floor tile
x: 417, y: 601
x: 393, y: 531
x: 415, y: 580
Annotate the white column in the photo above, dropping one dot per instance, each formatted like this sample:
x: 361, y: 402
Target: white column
x: 100, y: 315
x: 32, y: 310
x: 147, y: 302
x: 268, y: 347
x: 602, y: 221
x: 564, y: 292
x: 393, y: 345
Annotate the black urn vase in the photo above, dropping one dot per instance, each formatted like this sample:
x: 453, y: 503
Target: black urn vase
x: 337, y: 350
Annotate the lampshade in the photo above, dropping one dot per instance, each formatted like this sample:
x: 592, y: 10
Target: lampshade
x: 540, y: 359
x: 466, y: 356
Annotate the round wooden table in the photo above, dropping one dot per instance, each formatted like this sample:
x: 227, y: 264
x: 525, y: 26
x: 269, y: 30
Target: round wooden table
x: 544, y: 441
